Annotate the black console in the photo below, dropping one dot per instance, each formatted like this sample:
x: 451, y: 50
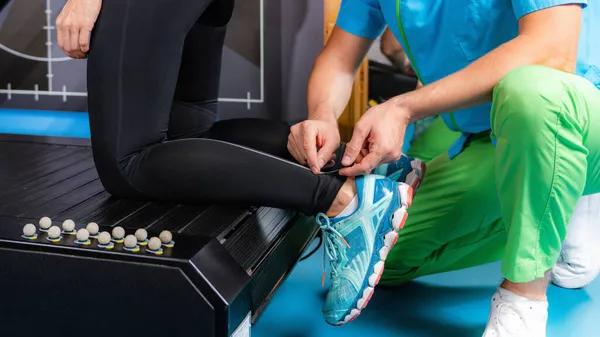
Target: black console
x: 215, y: 280
x: 386, y: 82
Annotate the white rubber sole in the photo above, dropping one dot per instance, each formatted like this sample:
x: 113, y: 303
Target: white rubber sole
x: 415, y: 177
x: 389, y: 241
x: 577, y: 282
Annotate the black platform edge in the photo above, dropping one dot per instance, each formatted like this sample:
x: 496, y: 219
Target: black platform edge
x: 71, y: 141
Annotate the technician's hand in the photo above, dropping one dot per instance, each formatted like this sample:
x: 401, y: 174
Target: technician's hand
x: 380, y: 134
x: 74, y: 26
x: 313, y: 142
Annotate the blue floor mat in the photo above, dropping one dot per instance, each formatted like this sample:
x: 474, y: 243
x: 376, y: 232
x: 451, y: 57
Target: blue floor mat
x: 454, y: 304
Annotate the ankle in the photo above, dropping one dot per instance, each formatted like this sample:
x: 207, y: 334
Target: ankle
x: 343, y: 198
x: 534, y: 290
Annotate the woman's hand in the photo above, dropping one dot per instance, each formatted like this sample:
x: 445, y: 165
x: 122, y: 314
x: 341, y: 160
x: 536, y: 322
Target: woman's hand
x: 313, y: 142
x: 74, y: 26
x: 378, y: 136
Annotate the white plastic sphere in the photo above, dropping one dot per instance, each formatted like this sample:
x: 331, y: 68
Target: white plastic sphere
x: 29, y: 229
x: 118, y: 232
x: 141, y: 235
x: 68, y: 225
x: 45, y: 223
x: 54, y: 232
x: 154, y: 243
x: 93, y: 228
x: 104, y: 238
x: 83, y: 235
x: 130, y: 241
x: 166, y: 237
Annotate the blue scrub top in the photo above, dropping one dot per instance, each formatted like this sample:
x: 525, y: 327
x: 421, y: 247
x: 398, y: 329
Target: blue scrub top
x: 443, y: 36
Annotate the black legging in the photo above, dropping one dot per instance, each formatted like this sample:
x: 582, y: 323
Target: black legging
x: 153, y: 80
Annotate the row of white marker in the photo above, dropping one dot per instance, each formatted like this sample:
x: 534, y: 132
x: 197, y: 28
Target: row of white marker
x: 104, y: 238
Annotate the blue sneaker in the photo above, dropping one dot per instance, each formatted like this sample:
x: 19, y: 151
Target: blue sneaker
x: 406, y: 170
x: 357, y: 245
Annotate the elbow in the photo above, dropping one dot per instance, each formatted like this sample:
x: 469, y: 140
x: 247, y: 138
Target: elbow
x: 566, y: 63
x: 563, y: 58
x: 558, y: 61
x: 389, y: 45
x: 543, y: 51
x: 388, y: 49
x: 384, y: 49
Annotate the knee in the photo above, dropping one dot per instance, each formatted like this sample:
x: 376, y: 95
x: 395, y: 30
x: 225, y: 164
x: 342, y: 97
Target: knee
x: 191, y: 120
x: 525, y: 98
x: 520, y: 89
x: 529, y: 80
x: 114, y: 181
x: 393, y: 277
x: 113, y: 171
x: 402, y: 265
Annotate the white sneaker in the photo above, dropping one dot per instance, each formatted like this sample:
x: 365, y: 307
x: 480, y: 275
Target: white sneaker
x: 579, y: 260
x: 516, y: 316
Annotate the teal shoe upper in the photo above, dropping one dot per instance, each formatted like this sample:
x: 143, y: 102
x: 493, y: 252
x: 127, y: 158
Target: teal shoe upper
x: 352, y: 243
x: 397, y: 171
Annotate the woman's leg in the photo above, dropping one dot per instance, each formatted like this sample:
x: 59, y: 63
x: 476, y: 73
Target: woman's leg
x: 195, y: 105
x: 133, y: 72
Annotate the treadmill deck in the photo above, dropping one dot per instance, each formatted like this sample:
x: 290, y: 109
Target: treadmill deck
x: 60, y: 181
x: 229, y: 261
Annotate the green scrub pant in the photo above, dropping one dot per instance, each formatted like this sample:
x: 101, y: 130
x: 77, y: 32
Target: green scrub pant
x: 510, y: 201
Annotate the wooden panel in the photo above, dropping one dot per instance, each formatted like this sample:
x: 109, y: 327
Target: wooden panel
x: 359, y: 99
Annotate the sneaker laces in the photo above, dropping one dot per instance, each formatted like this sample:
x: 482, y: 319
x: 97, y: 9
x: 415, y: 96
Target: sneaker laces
x: 332, y: 241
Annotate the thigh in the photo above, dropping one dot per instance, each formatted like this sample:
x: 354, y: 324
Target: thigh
x: 457, y: 206
x: 592, y: 141
x: 133, y: 66
x: 195, y: 106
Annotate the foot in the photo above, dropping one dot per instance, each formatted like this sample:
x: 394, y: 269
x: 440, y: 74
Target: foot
x: 579, y: 261
x: 357, y: 245
x: 514, y: 316
x: 406, y: 170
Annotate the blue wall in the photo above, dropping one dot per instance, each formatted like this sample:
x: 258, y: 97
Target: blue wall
x: 45, y: 123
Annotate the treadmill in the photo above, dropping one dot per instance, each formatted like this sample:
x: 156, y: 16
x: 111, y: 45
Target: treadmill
x: 216, y: 280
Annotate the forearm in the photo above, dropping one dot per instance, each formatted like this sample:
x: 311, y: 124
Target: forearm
x: 474, y: 84
x: 330, y: 84
x: 329, y: 88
